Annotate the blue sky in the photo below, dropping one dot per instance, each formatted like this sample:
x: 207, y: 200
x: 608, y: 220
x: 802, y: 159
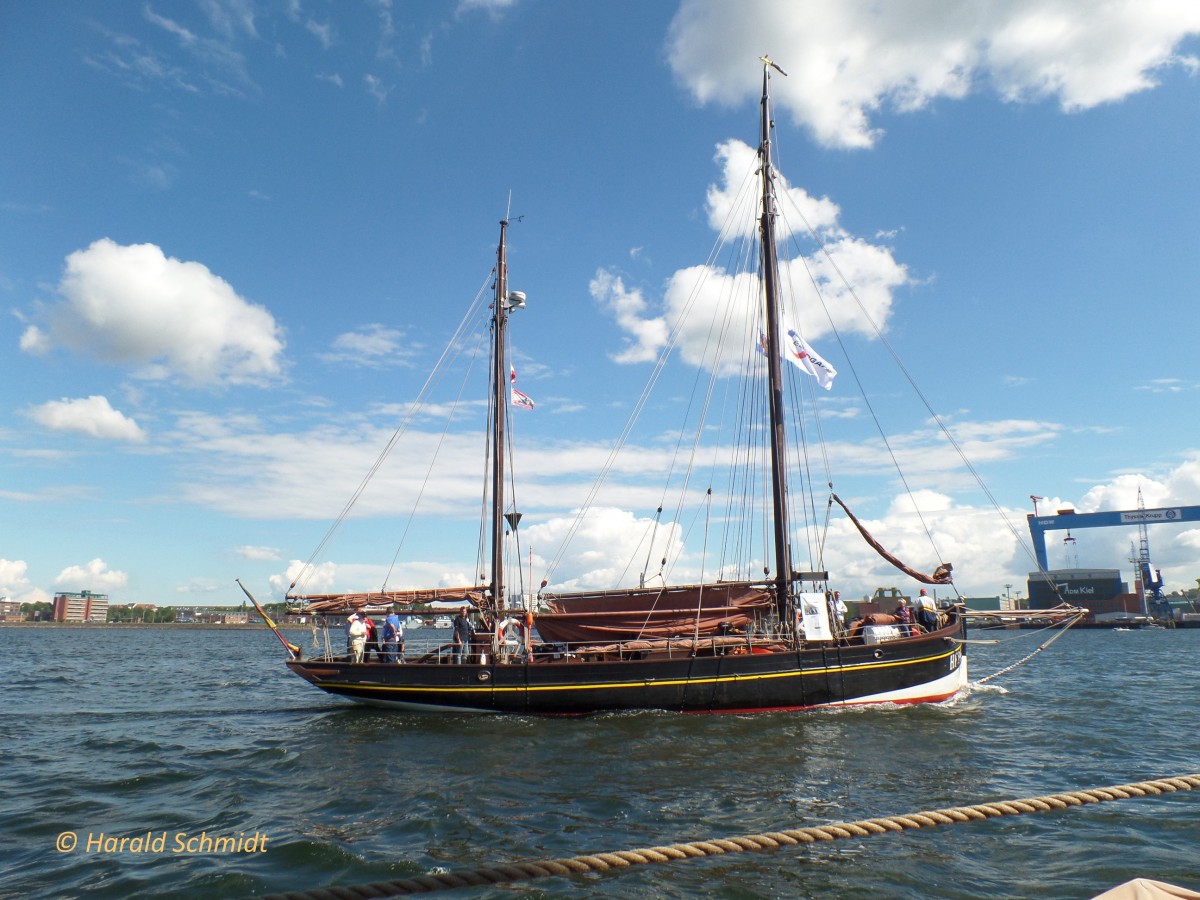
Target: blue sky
x: 234, y: 236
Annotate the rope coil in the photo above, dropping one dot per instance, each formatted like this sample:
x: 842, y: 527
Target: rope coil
x: 608, y: 862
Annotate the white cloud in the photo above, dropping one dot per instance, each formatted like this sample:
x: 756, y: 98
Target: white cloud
x: 732, y: 205
x: 847, y: 283
x: 132, y: 305
x: 317, y: 579
x: 608, y: 549
x: 322, y: 31
x: 12, y: 577
x: 259, y: 553
x: 376, y: 88
x: 200, y: 586
x: 629, y: 308
x: 373, y: 346
x: 492, y: 7
x: 330, y: 577
x: 93, y: 576
x: 847, y: 59
x: 88, y: 415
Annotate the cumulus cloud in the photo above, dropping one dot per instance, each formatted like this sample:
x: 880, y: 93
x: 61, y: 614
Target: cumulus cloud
x: 171, y: 319
x: 732, y: 205
x: 608, y: 549
x: 88, y: 415
x: 318, y: 579
x: 848, y: 59
x: 13, y: 580
x: 846, y: 283
x: 92, y: 576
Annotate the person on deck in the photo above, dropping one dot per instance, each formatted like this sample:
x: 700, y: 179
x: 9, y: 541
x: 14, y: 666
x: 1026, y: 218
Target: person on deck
x: 372, y: 642
x: 837, y: 612
x: 393, y: 639
x: 462, y: 636
x: 356, y: 631
x: 927, y: 616
x: 904, y: 616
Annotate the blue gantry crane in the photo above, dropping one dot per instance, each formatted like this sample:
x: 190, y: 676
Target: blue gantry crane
x: 1069, y: 520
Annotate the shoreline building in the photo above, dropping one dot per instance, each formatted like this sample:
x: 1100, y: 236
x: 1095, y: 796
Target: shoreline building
x: 82, y: 607
x: 1099, y: 590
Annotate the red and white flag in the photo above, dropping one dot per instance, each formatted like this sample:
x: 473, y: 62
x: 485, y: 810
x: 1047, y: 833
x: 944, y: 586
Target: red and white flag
x: 521, y: 401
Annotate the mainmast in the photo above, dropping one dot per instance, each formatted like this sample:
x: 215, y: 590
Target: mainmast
x: 499, y: 412
x: 503, y: 305
x: 770, y: 264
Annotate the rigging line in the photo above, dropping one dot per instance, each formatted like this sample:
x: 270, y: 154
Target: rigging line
x: 649, y: 547
x: 435, y: 375
x: 805, y: 500
x: 741, y: 472
x: 512, y: 496
x: 433, y: 461
x: 664, y: 355
x: 823, y: 249
x: 703, y: 560
x: 483, y: 556
x: 721, y: 328
x: 742, y: 294
x: 1026, y: 659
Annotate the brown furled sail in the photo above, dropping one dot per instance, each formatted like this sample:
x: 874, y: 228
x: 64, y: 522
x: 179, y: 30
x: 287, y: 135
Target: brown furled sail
x: 700, y: 610
x: 941, y: 575
x: 333, y: 604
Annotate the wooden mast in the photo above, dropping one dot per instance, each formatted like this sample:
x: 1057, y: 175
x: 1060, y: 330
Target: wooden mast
x: 499, y: 412
x: 770, y: 264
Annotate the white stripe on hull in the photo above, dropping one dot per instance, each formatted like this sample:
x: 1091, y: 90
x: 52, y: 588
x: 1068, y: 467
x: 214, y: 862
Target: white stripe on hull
x: 943, y: 688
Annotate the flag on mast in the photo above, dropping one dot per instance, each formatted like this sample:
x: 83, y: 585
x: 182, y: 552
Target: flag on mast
x: 808, y: 360
x: 521, y: 401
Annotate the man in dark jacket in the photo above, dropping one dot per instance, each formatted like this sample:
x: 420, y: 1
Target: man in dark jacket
x: 463, y: 633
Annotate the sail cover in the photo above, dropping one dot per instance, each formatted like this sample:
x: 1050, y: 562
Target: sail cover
x: 651, y: 613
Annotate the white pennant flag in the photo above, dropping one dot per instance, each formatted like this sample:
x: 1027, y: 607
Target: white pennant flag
x: 808, y: 360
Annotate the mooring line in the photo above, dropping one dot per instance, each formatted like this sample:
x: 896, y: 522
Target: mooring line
x: 623, y: 859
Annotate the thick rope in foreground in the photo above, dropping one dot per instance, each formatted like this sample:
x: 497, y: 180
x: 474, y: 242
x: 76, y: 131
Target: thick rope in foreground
x: 609, y: 862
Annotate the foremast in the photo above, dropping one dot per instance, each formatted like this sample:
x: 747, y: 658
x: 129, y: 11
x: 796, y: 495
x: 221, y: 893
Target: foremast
x: 500, y: 386
x: 774, y: 348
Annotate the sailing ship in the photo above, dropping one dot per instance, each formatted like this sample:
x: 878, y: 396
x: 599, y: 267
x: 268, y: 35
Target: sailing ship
x: 718, y: 646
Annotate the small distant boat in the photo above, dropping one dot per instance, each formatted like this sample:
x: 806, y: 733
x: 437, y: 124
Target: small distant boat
x: 443, y: 622
x: 412, y: 623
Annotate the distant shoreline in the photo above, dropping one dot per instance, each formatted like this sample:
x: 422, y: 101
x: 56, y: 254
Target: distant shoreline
x: 206, y: 626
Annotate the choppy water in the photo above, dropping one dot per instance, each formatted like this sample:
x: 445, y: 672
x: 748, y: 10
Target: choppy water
x: 184, y: 733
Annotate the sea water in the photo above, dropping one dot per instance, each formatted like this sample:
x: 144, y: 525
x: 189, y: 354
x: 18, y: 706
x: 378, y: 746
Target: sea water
x: 190, y: 763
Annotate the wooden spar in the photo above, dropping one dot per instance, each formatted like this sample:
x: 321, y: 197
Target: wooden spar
x: 500, y: 388
x: 291, y: 648
x: 770, y: 263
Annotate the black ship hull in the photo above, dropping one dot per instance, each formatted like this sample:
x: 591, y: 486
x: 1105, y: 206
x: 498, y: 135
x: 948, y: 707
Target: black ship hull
x: 923, y: 669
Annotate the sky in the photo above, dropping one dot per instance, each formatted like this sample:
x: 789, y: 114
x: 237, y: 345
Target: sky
x: 236, y: 235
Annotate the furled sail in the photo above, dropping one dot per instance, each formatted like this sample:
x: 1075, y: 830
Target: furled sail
x: 941, y: 575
